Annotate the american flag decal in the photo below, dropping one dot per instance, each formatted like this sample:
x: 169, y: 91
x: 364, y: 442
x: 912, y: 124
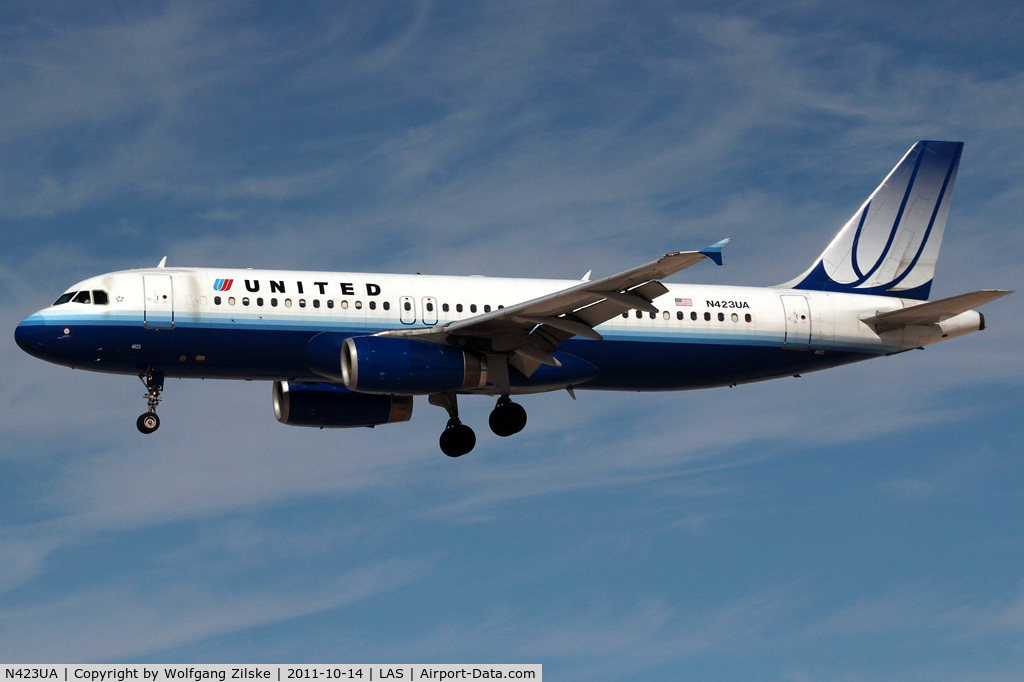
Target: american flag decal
x: 684, y: 301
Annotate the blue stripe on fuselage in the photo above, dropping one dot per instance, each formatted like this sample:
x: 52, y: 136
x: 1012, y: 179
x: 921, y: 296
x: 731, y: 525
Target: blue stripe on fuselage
x: 225, y: 346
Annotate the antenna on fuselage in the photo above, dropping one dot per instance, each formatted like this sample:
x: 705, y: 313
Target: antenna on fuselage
x: 163, y: 262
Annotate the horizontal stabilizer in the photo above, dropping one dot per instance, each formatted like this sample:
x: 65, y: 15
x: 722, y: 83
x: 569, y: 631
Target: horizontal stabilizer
x: 934, y: 312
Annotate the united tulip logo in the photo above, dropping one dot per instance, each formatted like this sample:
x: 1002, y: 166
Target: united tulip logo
x: 223, y: 284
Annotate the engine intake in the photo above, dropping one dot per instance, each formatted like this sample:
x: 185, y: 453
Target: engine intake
x: 333, y: 406
x: 382, y: 364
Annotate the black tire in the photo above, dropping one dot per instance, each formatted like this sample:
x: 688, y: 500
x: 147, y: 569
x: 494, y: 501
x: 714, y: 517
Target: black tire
x: 457, y: 439
x: 507, y: 418
x: 147, y: 422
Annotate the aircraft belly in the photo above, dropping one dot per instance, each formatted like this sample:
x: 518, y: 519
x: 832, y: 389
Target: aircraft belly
x: 666, y: 366
x: 267, y: 353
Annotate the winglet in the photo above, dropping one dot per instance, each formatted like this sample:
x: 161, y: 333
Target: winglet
x: 714, y: 252
x: 163, y: 263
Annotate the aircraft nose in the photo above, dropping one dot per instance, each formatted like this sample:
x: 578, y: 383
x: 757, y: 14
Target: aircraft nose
x: 29, y: 334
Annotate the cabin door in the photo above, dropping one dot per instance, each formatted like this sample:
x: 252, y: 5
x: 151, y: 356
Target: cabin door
x: 798, y: 322
x: 159, y: 302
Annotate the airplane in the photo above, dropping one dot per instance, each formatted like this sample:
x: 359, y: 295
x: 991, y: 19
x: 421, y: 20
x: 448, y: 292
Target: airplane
x: 353, y: 349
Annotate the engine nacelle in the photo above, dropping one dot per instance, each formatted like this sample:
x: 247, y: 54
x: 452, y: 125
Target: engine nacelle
x: 332, y: 406
x: 383, y: 364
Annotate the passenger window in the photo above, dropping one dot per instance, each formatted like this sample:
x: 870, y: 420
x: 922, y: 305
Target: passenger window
x: 386, y: 305
x: 330, y: 303
x: 707, y: 317
x: 316, y: 302
x: 735, y: 317
x: 625, y: 315
x: 407, y: 305
x: 245, y: 300
x: 693, y: 316
x: 665, y: 315
x: 373, y: 305
x: 679, y: 314
x: 82, y: 297
x: 344, y: 305
x: 472, y: 307
x: 273, y: 303
x: 747, y: 317
x: 639, y: 314
x: 487, y: 308
x: 445, y: 307
x: 287, y: 303
x: 64, y: 298
x: 430, y: 307
x: 458, y: 307
x: 231, y: 300
x: 259, y: 302
x: 721, y: 317
x: 302, y: 303
x: 216, y: 300
x: 99, y: 297
x: 359, y: 305
x: 653, y: 315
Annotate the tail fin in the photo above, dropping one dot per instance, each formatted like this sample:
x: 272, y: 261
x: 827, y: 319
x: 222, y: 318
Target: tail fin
x: 889, y: 246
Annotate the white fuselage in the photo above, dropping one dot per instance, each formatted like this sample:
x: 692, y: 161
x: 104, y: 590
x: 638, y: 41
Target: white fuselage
x: 253, y: 324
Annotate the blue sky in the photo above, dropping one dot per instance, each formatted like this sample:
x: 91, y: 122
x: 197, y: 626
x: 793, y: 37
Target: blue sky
x: 858, y: 524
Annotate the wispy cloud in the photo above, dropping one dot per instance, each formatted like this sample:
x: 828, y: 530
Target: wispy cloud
x: 142, y: 619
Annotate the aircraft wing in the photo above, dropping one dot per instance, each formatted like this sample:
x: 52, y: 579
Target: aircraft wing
x: 532, y: 330
x: 933, y: 312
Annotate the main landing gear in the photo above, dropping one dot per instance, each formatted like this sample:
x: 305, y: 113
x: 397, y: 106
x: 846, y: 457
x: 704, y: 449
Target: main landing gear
x: 148, y: 422
x: 507, y: 418
x: 457, y: 439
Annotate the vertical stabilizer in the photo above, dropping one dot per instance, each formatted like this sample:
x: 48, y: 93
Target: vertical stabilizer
x: 889, y: 247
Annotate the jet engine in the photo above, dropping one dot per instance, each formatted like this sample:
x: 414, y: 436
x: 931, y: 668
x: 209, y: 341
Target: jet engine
x: 333, y: 406
x: 382, y: 364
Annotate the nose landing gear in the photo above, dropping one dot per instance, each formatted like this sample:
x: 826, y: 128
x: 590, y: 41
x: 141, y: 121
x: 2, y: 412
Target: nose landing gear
x: 148, y: 422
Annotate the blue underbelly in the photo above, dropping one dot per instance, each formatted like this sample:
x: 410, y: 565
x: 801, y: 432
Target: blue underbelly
x: 267, y: 353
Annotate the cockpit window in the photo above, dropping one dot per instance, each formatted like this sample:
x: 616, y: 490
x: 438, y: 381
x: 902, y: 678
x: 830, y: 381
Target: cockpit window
x: 82, y: 297
x: 99, y: 297
x: 64, y: 298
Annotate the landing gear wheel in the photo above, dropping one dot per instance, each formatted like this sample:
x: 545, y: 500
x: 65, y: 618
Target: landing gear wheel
x: 148, y: 422
x: 457, y: 439
x: 507, y: 418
